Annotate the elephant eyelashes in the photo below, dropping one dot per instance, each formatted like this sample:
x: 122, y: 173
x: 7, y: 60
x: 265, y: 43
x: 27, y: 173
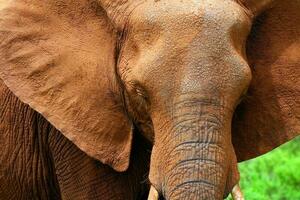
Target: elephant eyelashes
x: 138, y: 93
x: 141, y: 93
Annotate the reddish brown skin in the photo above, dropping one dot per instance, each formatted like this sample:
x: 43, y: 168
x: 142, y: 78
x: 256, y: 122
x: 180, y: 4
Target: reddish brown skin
x: 269, y: 114
x: 208, y: 82
x: 38, y: 162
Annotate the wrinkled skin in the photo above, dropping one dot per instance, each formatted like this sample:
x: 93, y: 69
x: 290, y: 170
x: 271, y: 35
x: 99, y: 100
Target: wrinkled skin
x: 38, y: 162
x: 184, y: 75
x: 191, y: 108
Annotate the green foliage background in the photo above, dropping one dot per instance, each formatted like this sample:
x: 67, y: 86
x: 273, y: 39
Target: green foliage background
x: 273, y: 176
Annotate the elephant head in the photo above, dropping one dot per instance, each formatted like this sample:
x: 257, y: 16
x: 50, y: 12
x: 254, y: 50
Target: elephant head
x: 209, y: 82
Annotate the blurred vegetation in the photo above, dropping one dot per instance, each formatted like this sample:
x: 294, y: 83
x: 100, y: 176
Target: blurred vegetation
x: 273, y: 176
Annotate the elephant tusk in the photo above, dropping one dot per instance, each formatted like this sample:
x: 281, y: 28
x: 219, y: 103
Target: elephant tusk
x: 153, y: 194
x: 237, y: 193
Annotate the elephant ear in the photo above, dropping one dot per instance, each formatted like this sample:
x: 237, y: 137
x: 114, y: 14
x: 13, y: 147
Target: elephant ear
x: 270, y: 113
x: 59, y: 57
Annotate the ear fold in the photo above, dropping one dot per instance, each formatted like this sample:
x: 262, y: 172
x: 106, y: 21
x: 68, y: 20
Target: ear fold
x: 59, y: 57
x: 270, y: 115
x: 256, y: 6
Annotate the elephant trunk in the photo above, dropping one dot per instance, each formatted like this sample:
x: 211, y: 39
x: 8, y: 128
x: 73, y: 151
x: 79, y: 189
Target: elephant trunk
x: 198, y: 154
x: 199, y: 171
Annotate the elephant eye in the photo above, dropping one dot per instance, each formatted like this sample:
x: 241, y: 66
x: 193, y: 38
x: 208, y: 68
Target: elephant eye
x: 137, y: 99
x: 138, y: 106
x: 138, y: 91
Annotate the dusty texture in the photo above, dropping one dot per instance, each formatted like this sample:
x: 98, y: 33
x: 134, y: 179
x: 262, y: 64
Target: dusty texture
x: 184, y: 63
x: 26, y: 164
x: 59, y: 57
x: 182, y: 72
x: 38, y: 162
x: 270, y: 112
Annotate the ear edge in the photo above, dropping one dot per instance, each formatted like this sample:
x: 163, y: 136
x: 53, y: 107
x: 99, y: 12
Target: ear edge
x: 255, y: 7
x: 271, y: 114
x: 121, y: 161
x: 117, y: 159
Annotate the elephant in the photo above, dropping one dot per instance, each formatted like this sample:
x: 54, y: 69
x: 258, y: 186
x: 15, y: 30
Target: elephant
x: 105, y: 99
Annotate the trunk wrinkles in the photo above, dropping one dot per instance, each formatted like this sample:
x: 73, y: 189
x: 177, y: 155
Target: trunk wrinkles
x: 196, y: 151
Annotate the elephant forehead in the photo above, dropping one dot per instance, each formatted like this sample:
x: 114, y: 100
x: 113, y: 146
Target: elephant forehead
x: 182, y: 33
x: 177, y: 14
x: 187, y: 44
